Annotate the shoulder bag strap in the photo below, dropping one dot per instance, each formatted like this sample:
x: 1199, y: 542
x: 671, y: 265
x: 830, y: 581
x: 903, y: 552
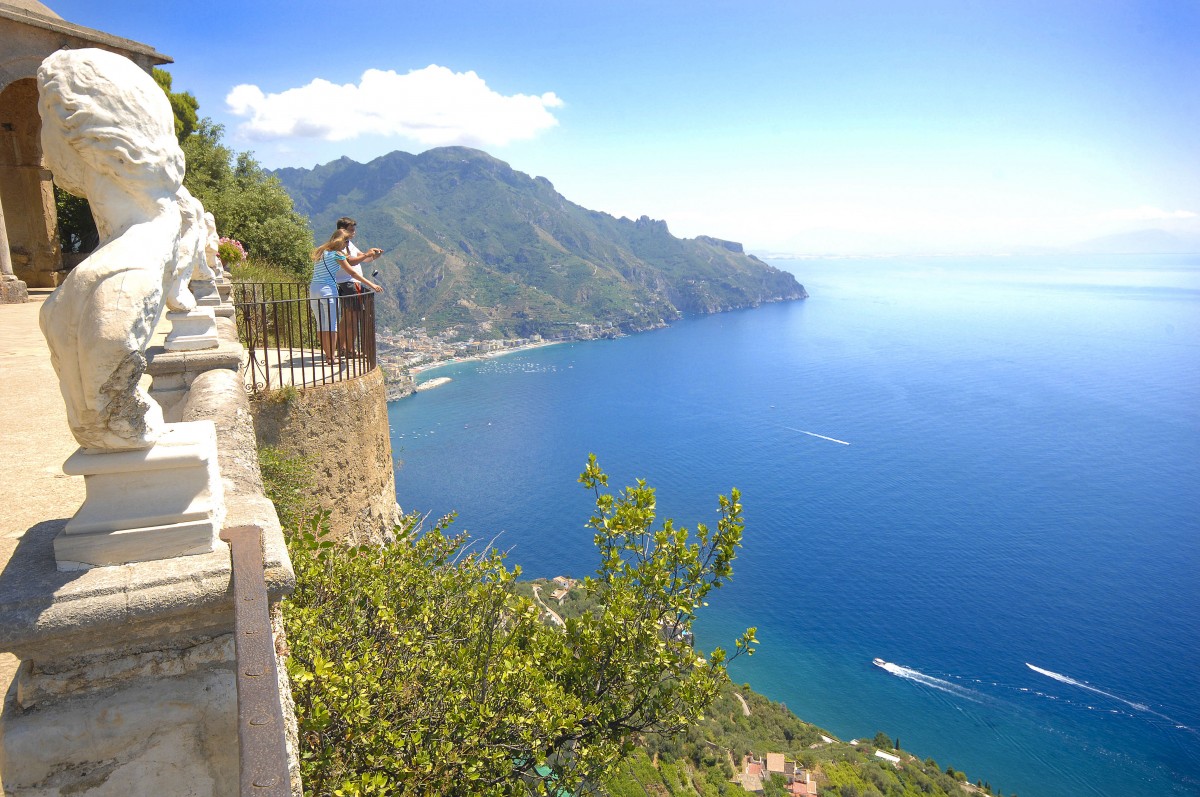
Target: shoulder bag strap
x: 328, y: 268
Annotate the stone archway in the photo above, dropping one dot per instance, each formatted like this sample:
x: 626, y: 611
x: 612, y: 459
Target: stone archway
x: 26, y: 190
x: 29, y: 251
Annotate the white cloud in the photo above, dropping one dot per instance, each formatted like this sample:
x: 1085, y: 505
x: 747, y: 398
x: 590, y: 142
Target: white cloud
x: 433, y: 106
x: 1147, y: 213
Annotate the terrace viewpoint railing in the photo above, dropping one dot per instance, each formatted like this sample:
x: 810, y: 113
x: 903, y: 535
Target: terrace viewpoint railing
x: 280, y: 327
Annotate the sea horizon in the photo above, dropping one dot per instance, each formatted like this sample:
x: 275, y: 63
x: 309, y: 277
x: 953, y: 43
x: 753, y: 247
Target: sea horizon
x: 985, y: 476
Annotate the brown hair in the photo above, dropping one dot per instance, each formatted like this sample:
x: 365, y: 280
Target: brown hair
x: 345, y: 222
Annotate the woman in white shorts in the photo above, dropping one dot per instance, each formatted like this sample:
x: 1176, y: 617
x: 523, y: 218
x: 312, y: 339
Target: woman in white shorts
x: 328, y: 260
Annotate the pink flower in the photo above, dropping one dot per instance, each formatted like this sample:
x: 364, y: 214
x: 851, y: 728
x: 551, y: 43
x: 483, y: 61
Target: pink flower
x: 236, y: 245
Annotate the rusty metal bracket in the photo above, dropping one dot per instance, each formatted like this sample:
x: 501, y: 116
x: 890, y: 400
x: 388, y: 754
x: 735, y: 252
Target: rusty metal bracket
x: 262, y: 747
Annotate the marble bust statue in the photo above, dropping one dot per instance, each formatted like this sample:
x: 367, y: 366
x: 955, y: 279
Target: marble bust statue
x: 191, y: 258
x: 108, y: 135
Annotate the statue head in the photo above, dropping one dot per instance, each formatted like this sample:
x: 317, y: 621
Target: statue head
x: 104, y: 116
x: 193, y: 233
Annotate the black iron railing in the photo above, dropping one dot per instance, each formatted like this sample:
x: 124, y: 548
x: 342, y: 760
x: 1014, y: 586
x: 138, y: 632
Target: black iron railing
x: 285, y: 335
x: 262, y: 744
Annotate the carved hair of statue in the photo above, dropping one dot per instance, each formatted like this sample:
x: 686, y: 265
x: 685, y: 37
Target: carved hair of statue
x: 108, y: 134
x: 111, y: 113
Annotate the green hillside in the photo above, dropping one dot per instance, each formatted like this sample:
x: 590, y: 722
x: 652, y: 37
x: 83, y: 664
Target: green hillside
x: 474, y: 244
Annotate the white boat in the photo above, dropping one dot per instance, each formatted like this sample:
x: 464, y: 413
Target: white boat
x: 878, y: 662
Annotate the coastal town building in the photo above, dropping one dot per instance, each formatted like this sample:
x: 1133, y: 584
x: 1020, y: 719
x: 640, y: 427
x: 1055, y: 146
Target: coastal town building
x: 751, y: 776
x: 778, y: 764
x: 804, y: 784
x: 756, y: 771
x: 565, y: 585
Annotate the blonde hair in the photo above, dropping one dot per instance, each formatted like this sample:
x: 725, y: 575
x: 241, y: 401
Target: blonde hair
x: 336, y: 243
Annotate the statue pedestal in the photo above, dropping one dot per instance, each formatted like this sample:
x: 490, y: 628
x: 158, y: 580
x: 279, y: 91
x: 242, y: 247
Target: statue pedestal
x: 192, y: 331
x: 141, y: 506
x: 225, y: 289
x: 205, y: 292
x: 127, y: 681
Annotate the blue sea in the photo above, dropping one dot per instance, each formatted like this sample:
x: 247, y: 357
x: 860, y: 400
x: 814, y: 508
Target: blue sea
x: 985, y: 471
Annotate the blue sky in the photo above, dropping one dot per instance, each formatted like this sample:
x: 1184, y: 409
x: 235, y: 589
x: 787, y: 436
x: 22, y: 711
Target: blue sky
x: 806, y: 127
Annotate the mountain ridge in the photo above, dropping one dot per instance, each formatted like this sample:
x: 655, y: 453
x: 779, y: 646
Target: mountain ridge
x: 1147, y: 241
x: 472, y: 243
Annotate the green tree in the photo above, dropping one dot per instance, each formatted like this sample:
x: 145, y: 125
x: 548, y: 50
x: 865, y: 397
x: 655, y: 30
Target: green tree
x: 183, y: 105
x: 247, y: 203
x: 76, y: 227
x: 417, y: 669
x: 775, y: 786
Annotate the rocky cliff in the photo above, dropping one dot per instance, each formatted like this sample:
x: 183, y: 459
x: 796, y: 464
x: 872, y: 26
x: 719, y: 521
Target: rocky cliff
x: 475, y: 244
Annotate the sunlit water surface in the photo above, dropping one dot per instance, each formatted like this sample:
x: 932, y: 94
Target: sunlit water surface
x: 985, y: 471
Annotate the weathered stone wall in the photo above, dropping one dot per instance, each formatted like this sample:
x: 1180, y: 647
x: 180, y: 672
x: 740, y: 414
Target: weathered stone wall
x: 127, y: 682
x: 342, y: 429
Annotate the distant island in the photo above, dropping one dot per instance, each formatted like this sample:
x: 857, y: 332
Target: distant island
x: 478, y: 250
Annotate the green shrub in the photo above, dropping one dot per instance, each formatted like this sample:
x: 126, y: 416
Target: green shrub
x: 76, y: 228
x: 254, y: 269
x: 416, y: 669
x: 287, y: 323
x: 282, y: 395
x: 248, y: 203
x: 287, y: 480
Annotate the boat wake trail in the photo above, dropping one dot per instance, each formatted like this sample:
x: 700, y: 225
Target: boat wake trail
x: 1066, y: 679
x: 814, y: 434
x: 933, y: 683
x: 1001, y: 717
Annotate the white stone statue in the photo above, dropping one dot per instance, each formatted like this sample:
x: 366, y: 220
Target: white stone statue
x: 193, y: 270
x: 192, y: 291
x: 108, y: 134
x: 208, y: 241
x: 195, y: 235
x: 189, y: 251
x: 212, y: 245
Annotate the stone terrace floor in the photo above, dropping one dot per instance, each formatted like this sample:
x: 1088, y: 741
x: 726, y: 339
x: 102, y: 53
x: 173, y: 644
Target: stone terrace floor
x: 34, y: 438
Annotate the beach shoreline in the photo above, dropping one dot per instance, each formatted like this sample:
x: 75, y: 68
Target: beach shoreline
x: 491, y: 355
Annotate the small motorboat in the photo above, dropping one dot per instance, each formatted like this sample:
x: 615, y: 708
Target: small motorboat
x: 878, y: 662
